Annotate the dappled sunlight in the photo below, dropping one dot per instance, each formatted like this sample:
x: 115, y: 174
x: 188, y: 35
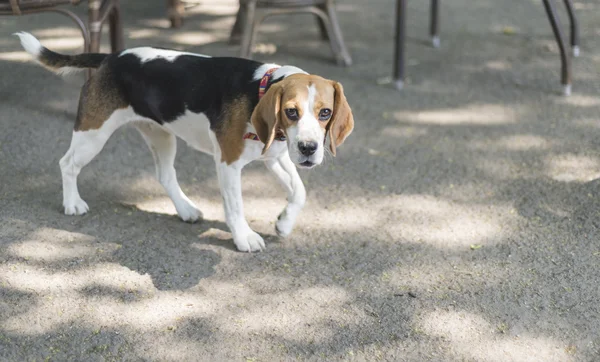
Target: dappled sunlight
x: 25, y: 277
x: 520, y: 142
x: 473, y: 337
x: 43, y: 246
x: 457, y: 222
x: 15, y: 56
x: 64, y: 43
x: 271, y: 313
x: 446, y: 224
x: 581, y: 100
x: 143, y: 34
x: 193, y: 38
x: 215, y: 8
x: 498, y: 65
x: 572, y: 168
x: 482, y: 115
x: 407, y: 132
x: 59, y: 31
x: 156, y: 23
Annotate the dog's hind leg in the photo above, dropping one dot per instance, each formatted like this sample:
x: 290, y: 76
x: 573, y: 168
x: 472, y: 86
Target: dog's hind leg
x: 85, y: 145
x: 163, y: 146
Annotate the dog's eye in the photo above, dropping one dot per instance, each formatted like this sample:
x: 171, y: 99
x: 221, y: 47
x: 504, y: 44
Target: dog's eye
x: 325, y: 114
x: 292, y: 114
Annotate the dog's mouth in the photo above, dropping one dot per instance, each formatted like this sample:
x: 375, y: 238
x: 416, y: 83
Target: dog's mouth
x: 307, y: 164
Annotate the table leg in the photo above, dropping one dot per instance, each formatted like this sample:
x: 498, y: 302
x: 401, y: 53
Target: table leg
x: 399, y: 44
x: 574, y: 28
x: 434, y: 26
x: 564, y: 57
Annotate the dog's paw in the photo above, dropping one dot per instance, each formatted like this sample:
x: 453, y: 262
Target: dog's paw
x: 249, y: 242
x: 77, y: 207
x: 284, y: 224
x: 188, y: 212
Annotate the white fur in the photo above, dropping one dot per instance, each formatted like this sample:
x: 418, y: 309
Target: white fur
x: 34, y: 47
x: 147, y: 54
x: 307, y: 129
x: 30, y: 43
x: 84, y: 147
x: 195, y: 130
x: 282, y: 71
x: 163, y: 146
x: 286, y: 173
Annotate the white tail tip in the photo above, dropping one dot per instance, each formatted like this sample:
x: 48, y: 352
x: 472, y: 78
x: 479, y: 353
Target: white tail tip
x: 566, y: 90
x: 576, y: 51
x: 30, y: 43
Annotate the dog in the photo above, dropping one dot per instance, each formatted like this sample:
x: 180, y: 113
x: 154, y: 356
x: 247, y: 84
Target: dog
x: 235, y: 109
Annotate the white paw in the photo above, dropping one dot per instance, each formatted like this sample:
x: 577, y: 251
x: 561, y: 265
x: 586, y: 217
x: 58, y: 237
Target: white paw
x: 249, y: 242
x: 188, y: 212
x: 77, y: 207
x: 284, y: 224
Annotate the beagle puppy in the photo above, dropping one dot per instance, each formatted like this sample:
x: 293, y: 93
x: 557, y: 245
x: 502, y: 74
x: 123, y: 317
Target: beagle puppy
x: 236, y: 110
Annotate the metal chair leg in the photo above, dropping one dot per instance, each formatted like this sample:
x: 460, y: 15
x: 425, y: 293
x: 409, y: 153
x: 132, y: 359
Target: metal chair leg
x: 564, y: 57
x: 399, y: 48
x: 574, y: 28
x: 84, y: 32
x: 236, y: 32
x: 321, y: 24
x: 94, y: 24
x: 116, y: 30
x: 175, y: 11
x: 435, y: 23
x: 249, y: 26
x: 335, y: 36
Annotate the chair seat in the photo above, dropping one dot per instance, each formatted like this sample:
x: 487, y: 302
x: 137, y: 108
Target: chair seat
x: 24, y: 5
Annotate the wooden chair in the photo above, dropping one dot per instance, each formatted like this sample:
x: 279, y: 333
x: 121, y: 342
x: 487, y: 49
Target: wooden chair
x: 253, y: 12
x: 99, y: 11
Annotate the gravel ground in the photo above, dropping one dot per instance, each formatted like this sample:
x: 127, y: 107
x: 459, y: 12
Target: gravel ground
x: 460, y: 221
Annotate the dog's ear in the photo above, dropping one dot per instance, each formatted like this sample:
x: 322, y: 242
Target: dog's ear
x: 342, y: 121
x: 266, y: 115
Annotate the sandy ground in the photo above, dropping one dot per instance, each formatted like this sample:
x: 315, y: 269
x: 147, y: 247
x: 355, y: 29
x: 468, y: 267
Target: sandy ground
x: 460, y: 221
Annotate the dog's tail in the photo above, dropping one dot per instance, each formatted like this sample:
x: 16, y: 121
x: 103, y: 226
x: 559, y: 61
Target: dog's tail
x: 59, y: 63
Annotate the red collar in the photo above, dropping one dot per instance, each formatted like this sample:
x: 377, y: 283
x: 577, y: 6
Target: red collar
x: 262, y: 89
x: 264, y: 82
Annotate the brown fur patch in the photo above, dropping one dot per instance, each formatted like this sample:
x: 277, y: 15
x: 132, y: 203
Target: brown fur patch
x: 98, y: 100
x: 230, y: 134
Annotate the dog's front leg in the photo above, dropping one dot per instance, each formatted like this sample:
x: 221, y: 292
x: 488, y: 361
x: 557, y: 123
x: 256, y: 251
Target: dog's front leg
x: 230, y: 183
x: 283, y: 168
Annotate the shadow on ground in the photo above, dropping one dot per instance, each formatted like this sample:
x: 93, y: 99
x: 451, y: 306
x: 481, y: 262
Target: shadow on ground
x: 458, y: 222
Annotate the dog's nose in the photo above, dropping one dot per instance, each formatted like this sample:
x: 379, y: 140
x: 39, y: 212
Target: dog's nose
x: 307, y: 148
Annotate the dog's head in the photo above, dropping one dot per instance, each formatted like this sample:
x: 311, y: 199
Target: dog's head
x: 306, y: 108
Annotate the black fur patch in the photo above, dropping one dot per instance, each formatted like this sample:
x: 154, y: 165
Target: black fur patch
x: 163, y: 90
x: 56, y: 60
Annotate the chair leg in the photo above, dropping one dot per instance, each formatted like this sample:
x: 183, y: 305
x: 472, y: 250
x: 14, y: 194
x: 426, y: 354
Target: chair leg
x: 116, y: 29
x: 236, y: 32
x: 84, y: 32
x: 175, y: 11
x: 399, y: 49
x: 564, y: 57
x: 335, y: 36
x: 249, y: 27
x: 574, y: 28
x: 321, y: 24
x: 434, y: 26
x: 94, y: 27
